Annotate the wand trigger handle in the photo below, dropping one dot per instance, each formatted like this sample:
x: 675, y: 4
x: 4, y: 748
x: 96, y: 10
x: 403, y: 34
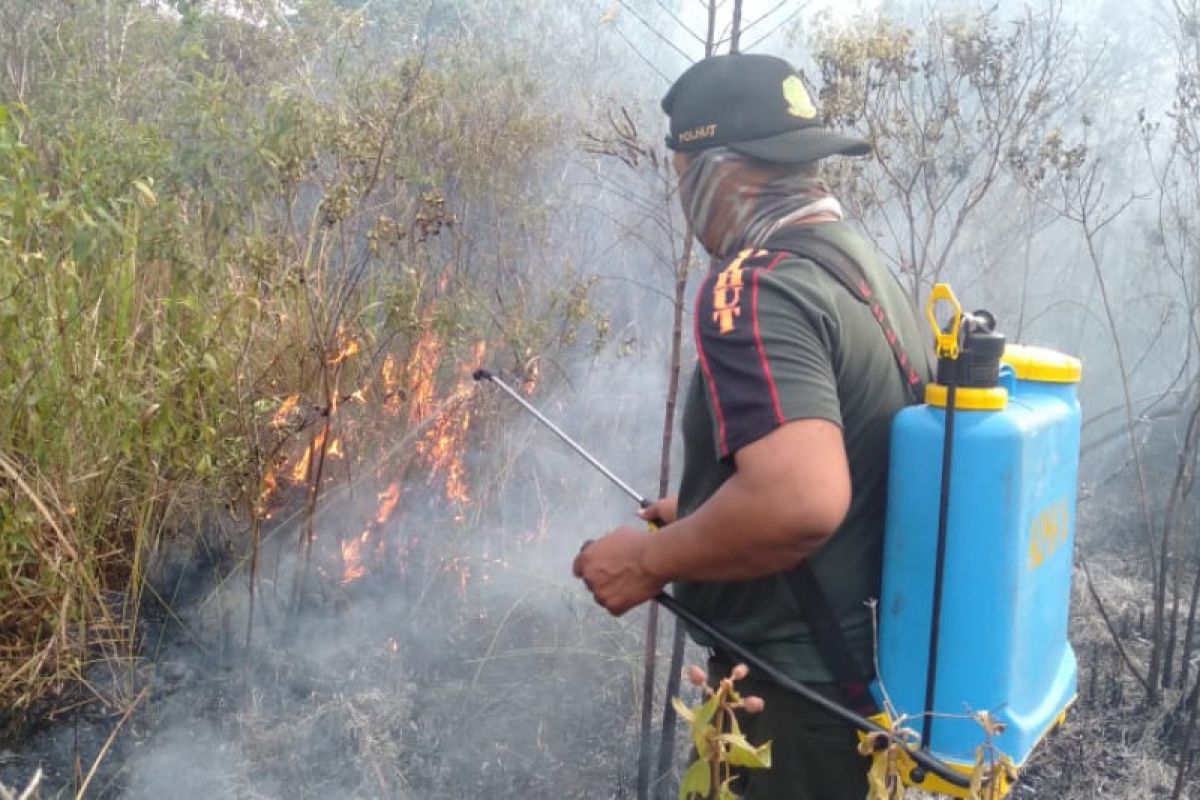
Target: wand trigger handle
x: 652, y: 524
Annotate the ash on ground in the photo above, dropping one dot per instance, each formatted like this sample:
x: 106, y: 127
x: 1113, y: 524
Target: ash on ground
x: 490, y: 689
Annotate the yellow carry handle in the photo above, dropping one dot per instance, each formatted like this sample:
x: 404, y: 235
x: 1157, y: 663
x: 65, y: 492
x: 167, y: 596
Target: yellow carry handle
x: 947, y: 341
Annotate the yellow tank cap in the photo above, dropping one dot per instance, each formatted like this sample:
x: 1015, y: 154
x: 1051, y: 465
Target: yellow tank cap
x: 993, y: 398
x: 1042, y: 364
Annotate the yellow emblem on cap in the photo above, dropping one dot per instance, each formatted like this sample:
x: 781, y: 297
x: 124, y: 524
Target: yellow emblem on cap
x: 799, y: 103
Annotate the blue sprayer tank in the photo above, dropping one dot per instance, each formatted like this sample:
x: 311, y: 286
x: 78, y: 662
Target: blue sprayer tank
x: 1009, y: 536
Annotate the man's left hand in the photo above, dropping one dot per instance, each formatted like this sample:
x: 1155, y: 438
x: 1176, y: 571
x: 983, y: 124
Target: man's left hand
x: 613, y: 569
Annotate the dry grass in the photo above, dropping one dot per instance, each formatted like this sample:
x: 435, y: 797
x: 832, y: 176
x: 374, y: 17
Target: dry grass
x: 30, y: 792
x: 1112, y: 745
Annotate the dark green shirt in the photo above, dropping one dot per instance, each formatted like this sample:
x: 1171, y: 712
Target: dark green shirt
x: 780, y: 339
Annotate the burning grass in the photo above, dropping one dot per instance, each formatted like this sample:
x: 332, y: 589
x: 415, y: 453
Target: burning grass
x: 223, y: 300
x: 93, y: 496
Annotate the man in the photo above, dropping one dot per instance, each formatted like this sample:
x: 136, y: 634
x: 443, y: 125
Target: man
x: 787, y: 419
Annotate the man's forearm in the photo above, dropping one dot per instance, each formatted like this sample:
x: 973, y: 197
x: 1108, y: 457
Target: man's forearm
x: 742, y: 532
x: 790, y: 492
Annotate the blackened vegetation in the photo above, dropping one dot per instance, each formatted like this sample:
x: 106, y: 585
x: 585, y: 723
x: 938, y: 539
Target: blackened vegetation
x: 372, y: 696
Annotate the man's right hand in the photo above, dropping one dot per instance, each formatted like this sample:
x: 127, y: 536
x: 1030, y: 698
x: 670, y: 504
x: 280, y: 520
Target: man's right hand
x: 664, y: 510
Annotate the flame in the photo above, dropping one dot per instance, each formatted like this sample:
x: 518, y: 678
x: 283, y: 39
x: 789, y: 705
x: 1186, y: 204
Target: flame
x: 387, y: 503
x: 285, y: 410
x: 352, y: 566
x: 300, y: 469
x: 446, y: 441
x: 412, y: 390
x: 391, y: 385
x: 422, y: 375
x: 456, y: 472
x: 348, y: 348
x: 269, y: 483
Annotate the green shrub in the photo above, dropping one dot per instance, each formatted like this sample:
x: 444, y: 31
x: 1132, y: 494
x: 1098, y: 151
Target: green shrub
x: 188, y: 233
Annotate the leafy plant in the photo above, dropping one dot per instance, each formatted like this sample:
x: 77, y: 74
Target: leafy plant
x: 720, y: 744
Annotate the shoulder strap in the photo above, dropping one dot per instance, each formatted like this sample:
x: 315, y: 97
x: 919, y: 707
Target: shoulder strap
x: 850, y: 676
x: 799, y: 241
x: 802, y: 581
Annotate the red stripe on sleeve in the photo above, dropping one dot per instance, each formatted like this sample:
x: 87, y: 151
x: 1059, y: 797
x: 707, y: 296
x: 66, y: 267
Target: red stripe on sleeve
x: 708, y: 376
x: 762, y: 351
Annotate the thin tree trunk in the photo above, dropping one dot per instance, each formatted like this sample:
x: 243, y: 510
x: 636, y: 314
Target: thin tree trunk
x: 735, y: 33
x: 645, y: 745
x: 1185, y: 756
x: 1181, y: 490
x: 1190, y: 627
x: 666, y: 747
x: 711, y: 38
x: 1173, y: 624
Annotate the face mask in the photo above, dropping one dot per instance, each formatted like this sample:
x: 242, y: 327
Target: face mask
x: 730, y: 207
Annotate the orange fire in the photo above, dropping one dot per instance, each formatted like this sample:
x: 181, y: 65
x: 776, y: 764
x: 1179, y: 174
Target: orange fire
x: 269, y: 485
x: 444, y: 445
x: 300, y: 469
x: 477, y: 355
x: 349, y: 347
x: 387, y: 502
x: 422, y: 376
x: 406, y: 389
x: 352, y: 565
x: 390, y: 377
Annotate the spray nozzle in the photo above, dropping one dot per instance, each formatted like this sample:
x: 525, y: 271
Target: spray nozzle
x: 979, y: 321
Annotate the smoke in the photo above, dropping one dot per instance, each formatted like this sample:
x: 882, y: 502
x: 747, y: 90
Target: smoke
x: 487, y: 675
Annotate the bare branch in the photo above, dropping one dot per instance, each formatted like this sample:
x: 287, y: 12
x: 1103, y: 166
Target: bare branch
x: 657, y: 33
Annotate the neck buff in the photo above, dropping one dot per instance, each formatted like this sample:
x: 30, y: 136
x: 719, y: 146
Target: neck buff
x: 718, y: 195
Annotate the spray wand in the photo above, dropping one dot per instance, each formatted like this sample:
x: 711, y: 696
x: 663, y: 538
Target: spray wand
x: 756, y: 664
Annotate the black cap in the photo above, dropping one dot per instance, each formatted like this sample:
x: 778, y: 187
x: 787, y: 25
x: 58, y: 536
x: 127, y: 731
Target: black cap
x: 755, y: 104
